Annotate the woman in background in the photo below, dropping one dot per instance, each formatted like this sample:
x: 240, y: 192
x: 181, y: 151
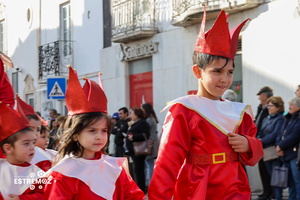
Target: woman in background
x: 270, y: 130
x: 152, y: 120
x: 137, y: 131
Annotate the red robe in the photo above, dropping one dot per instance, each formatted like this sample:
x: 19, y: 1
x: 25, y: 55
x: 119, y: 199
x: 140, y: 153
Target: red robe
x: 199, y: 126
x: 14, y: 181
x: 77, y: 179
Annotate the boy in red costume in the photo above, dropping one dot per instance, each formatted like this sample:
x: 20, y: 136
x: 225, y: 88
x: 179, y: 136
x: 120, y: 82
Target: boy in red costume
x: 206, y: 139
x: 41, y: 158
x: 17, y: 141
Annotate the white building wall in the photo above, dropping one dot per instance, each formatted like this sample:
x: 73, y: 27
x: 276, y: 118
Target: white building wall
x: 23, y: 39
x: 271, y: 50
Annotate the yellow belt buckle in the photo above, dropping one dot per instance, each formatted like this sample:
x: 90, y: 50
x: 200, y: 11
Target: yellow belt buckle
x: 220, y: 161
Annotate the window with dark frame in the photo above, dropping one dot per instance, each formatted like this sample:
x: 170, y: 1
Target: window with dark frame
x: 65, y: 26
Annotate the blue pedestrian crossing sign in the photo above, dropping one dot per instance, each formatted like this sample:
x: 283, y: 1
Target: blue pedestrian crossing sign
x: 56, y: 88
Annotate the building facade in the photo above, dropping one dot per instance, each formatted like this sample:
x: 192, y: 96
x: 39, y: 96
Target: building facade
x: 144, y: 48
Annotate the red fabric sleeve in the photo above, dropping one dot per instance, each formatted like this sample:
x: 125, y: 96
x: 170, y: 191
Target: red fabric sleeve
x: 172, y: 153
x: 32, y: 194
x: 61, y: 187
x: 127, y: 189
x: 248, y: 129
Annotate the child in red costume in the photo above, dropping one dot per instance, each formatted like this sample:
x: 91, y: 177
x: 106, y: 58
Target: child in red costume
x: 206, y: 139
x: 41, y: 159
x: 84, y: 171
x: 17, y: 141
x: 42, y: 142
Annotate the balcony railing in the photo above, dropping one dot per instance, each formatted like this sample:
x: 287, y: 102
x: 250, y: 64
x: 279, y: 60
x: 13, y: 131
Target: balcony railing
x: 54, y: 58
x: 132, y: 20
x: 187, y: 12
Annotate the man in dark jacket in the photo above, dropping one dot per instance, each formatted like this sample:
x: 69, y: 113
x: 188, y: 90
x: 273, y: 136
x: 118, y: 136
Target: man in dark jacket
x: 120, y: 129
x: 262, y: 112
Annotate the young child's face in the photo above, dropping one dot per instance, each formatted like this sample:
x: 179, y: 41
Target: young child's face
x: 36, y: 126
x: 215, y: 79
x: 23, y: 149
x: 43, y: 140
x: 93, y: 138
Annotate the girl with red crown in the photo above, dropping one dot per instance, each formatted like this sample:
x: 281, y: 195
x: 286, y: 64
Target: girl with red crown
x: 83, y: 169
x: 17, y: 140
x: 206, y: 140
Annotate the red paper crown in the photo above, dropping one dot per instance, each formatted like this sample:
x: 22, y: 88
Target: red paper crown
x: 6, y: 90
x: 11, y: 121
x: 219, y: 41
x: 90, y: 98
x: 23, y: 107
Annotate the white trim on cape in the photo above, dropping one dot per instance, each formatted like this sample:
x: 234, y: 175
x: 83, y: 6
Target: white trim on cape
x: 100, y: 175
x: 224, y: 115
x: 17, y: 179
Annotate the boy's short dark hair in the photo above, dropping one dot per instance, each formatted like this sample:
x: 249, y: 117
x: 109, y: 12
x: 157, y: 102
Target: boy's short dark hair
x: 203, y: 59
x: 13, y: 138
x: 44, y: 129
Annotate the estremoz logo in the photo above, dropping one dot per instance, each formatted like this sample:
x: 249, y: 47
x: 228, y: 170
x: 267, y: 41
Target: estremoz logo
x: 35, y: 180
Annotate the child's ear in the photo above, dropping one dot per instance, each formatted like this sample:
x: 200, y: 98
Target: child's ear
x: 197, y: 71
x: 75, y: 137
x: 8, y: 149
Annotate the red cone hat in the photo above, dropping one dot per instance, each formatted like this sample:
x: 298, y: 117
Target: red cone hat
x: 11, y: 121
x: 6, y: 90
x: 90, y: 98
x: 23, y: 107
x: 219, y: 41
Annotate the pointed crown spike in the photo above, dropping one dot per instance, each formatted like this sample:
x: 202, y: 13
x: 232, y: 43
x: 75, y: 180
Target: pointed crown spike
x: 218, y: 41
x: 100, y: 81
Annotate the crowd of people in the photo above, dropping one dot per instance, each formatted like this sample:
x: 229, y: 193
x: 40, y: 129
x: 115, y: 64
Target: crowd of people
x: 280, y: 131
x: 206, y: 139
x: 129, y: 126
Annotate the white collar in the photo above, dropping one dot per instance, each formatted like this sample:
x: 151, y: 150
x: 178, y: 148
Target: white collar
x: 100, y: 175
x: 17, y: 179
x: 40, y: 155
x: 224, y: 115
